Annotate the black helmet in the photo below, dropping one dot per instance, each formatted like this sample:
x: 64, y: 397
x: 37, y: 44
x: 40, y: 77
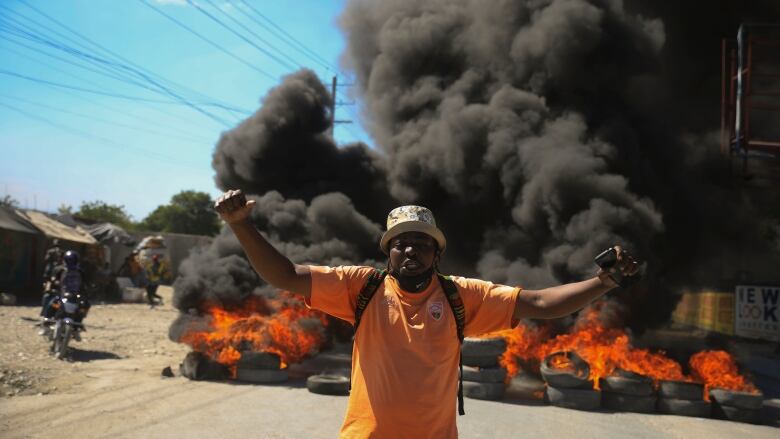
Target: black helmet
x: 71, y: 259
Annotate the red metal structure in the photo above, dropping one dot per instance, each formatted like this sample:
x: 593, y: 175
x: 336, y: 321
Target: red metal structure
x: 750, y: 93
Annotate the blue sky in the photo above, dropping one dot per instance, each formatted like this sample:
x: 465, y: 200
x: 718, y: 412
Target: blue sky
x: 64, y: 140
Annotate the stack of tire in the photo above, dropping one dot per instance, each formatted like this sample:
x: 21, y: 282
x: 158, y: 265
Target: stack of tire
x: 682, y: 398
x: 483, y: 378
x: 737, y: 406
x: 628, y: 392
x: 571, y: 387
x: 260, y: 368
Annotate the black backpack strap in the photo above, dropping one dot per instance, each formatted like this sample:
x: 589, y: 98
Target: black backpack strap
x: 459, y: 311
x: 365, y: 295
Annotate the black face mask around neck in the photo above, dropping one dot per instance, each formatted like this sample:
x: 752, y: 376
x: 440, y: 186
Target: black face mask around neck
x: 413, y: 284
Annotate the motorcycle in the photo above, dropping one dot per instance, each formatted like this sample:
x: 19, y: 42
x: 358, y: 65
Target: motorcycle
x: 70, y: 310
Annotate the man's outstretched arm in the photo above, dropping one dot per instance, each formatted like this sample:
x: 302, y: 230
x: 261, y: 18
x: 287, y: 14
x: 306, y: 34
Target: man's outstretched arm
x: 271, y: 265
x: 559, y: 301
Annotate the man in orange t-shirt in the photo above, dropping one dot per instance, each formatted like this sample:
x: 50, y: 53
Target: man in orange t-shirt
x: 406, y: 352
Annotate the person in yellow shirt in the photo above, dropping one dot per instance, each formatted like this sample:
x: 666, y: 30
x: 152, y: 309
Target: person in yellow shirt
x: 156, y: 273
x: 406, y: 355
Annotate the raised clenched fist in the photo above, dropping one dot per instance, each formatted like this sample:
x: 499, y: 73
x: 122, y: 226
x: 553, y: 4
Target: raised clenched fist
x: 233, y: 206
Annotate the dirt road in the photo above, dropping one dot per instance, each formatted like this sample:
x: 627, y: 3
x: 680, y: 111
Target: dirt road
x: 113, y: 389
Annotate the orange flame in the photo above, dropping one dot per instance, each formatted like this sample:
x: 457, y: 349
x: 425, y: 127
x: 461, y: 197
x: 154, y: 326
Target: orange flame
x: 605, y: 349
x: 561, y: 362
x: 718, y: 369
x: 283, y: 326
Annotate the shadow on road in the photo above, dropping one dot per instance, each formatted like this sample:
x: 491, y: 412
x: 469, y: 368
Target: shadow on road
x: 772, y: 414
x: 86, y: 356
x: 292, y: 383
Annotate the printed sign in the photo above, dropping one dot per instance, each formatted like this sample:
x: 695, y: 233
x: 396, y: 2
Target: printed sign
x: 757, y: 312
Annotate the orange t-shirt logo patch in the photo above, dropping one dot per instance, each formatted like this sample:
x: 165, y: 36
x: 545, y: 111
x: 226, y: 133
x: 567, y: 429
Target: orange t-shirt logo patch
x: 435, y: 309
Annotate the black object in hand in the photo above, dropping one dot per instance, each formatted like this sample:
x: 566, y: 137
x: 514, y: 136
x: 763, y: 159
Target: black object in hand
x: 607, y: 259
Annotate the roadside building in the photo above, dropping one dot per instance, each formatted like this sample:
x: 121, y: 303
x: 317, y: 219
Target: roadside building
x: 70, y: 238
x: 21, y: 255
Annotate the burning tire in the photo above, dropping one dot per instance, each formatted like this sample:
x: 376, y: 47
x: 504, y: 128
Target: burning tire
x: 684, y: 407
x: 483, y: 347
x: 681, y: 390
x: 262, y: 376
x: 328, y: 384
x: 737, y: 414
x: 578, y: 399
x: 197, y: 366
x: 484, y: 375
x: 574, y: 377
x: 733, y: 398
x: 628, y: 403
x: 259, y: 360
x: 488, y: 391
x: 627, y: 383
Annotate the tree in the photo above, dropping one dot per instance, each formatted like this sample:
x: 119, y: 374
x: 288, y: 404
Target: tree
x: 9, y: 201
x: 103, y: 212
x: 188, y: 212
x: 65, y: 209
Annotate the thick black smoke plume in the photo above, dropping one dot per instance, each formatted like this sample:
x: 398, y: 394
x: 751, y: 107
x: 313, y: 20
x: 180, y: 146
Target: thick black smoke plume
x: 538, y: 131
x: 285, y: 147
x: 329, y: 231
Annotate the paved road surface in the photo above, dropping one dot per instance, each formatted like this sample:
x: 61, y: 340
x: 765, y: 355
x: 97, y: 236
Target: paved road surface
x: 124, y: 401
x: 113, y: 389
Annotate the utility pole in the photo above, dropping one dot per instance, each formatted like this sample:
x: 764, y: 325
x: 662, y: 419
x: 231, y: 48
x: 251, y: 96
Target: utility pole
x: 333, y: 121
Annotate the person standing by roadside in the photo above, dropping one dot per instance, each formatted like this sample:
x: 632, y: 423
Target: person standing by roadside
x: 156, y: 272
x: 132, y: 268
x: 52, y: 259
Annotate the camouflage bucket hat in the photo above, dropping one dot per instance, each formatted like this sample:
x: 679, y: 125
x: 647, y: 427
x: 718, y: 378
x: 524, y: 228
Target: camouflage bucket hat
x: 411, y: 219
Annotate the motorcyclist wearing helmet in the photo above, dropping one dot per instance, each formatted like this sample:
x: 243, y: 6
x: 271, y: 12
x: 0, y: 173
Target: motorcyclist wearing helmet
x: 70, y: 281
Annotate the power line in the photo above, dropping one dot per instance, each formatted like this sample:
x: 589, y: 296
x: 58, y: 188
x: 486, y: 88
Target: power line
x: 99, y: 62
x: 140, y: 71
x: 26, y: 31
x: 222, y: 49
x: 128, y: 65
x: 121, y: 146
x: 290, y: 40
x: 99, y: 119
x: 247, y: 40
x: 104, y: 72
x: 295, y: 63
x: 83, y: 89
x: 92, y: 58
x: 84, y: 98
x: 76, y: 52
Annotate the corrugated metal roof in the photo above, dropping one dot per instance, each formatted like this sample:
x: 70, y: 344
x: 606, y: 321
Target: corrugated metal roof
x: 10, y: 220
x: 55, y: 229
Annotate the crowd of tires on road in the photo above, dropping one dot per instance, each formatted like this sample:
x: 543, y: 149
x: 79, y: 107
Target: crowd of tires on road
x: 567, y: 378
x: 571, y: 387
